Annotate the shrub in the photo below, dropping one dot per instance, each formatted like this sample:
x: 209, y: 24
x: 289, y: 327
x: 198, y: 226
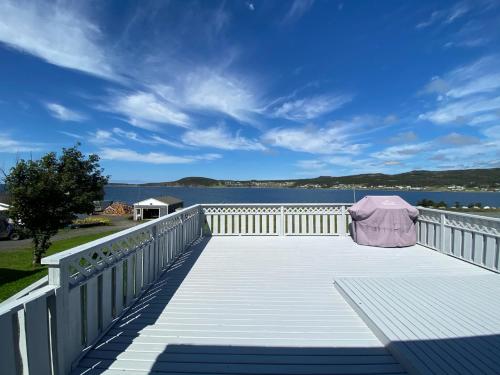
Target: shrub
x: 90, y: 222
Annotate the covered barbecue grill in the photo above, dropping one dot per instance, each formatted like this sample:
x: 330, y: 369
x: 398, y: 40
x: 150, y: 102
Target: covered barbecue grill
x: 385, y: 221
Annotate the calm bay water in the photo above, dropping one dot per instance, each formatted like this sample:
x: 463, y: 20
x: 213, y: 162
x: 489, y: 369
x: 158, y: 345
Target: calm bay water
x: 193, y: 195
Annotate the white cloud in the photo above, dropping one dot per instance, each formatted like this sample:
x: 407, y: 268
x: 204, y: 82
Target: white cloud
x: 56, y: 34
x: 404, y: 137
x: 63, y: 113
x: 169, y: 142
x: 297, y: 10
x: 469, y: 94
x: 147, y: 110
x: 401, y: 152
x: 250, y: 6
x: 212, y: 91
x: 479, y: 155
x: 311, y: 164
x: 458, y: 139
x: 480, y: 77
x: 102, y: 137
x: 123, y: 154
x: 464, y: 110
x: 446, y: 16
x: 12, y: 146
x: 492, y: 132
x: 310, y: 108
x: 221, y: 138
x: 149, y: 139
x: 72, y: 135
x: 489, y: 117
x: 327, y: 140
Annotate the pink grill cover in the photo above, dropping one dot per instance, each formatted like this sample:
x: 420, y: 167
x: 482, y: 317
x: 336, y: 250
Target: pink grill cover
x: 385, y: 221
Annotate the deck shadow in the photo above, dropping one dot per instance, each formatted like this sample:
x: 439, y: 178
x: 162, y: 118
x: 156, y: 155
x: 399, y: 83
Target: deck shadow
x: 260, y: 360
x: 148, y: 308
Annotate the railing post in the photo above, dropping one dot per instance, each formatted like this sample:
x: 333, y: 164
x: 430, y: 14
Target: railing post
x: 442, y: 231
x: 343, y: 221
x: 59, y: 277
x: 154, y: 234
x: 282, y: 221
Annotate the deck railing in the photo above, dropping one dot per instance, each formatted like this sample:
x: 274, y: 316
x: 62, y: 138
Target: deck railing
x: 298, y: 219
x: 475, y: 239
x: 89, y: 287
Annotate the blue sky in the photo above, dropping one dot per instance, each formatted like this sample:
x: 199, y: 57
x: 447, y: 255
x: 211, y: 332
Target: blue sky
x: 252, y: 89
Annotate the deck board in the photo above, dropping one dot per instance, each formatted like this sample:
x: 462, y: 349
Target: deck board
x: 261, y: 305
x: 434, y: 324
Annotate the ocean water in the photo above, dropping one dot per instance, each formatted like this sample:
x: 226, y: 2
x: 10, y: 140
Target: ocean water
x: 193, y: 195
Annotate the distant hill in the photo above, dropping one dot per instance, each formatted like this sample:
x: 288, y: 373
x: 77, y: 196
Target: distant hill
x: 467, y: 178
x: 189, y: 181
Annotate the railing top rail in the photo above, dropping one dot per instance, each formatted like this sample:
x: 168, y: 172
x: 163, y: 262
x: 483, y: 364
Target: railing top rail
x: 57, y: 258
x: 273, y: 204
x: 471, y: 216
x: 18, y: 304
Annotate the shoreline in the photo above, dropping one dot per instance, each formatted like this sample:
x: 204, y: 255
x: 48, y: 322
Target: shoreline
x: 429, y: 190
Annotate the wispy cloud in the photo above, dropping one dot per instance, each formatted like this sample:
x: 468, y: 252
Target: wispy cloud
x: 63, y: 113
x: 404, y: 137
x: 482, y: 76
x: 310, y: 139
x: 123, y: 154
x: 53, y: 32
x: 469, y: 94
x: 11, y: 146
x: 220, y: 137
x: 169, y: 142
x: 146, y: 110
x: 311, y: 107
x: 210, y: 90
x: 401, y: 152
x: 462, y: 111
x: 446, y: 16
x: 315, y: 165
x: 297, y: 9
x: 458, y: 139
x: 103, y: 137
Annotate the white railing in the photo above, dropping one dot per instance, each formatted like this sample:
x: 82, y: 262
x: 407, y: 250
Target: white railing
x: 298, y: 219
x: 475, y: 239
x: 89, y: 287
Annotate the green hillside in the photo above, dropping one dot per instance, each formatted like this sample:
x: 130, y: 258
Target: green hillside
x: 467, y: 178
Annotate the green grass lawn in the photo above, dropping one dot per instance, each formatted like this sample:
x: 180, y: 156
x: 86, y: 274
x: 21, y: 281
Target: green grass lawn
x: 17, y: 272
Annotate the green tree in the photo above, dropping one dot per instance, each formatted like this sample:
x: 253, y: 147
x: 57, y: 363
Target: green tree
x: 441, y: 204
x: 46, y: 194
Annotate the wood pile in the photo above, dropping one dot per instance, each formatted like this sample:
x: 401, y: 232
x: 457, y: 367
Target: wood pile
x: 118, y: 208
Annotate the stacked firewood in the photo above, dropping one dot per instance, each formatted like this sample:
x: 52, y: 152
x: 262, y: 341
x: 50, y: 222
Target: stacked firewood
x: 118, y: 208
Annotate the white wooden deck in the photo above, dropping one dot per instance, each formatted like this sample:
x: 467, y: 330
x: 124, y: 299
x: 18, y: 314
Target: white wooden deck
x: 261, y: 305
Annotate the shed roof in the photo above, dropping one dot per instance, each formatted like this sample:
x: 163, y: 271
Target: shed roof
x: 164, y: 200
x: 168, y: 199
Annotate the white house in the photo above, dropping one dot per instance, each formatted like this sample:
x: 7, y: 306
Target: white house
x: 153, y: 208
